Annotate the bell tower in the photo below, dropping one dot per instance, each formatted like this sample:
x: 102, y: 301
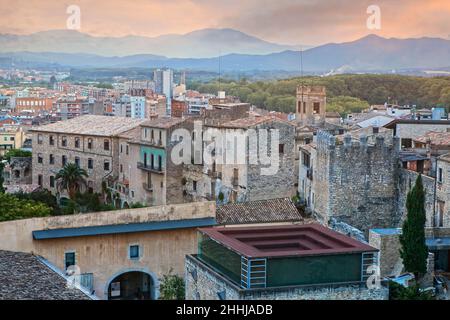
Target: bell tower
x: 311, y: 104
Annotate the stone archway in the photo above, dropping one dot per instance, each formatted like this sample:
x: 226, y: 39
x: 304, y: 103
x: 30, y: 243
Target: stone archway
x: 132, y: 284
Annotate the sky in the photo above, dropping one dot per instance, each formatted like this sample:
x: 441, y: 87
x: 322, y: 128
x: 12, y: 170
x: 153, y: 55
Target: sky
x: 308, y: 22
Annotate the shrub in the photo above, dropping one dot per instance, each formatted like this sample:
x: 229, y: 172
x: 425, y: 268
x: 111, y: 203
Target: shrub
x: 12, y: 208
x: 172, y: 287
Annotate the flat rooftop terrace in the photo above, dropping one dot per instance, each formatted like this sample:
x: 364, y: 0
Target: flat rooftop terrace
x: 284, y: 241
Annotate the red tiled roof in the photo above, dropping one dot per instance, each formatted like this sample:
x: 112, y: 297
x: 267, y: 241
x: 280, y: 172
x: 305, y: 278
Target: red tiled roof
x: 436, y: 138
x: 283, y: 241
x: 263, y: 211
x: 252, y: 121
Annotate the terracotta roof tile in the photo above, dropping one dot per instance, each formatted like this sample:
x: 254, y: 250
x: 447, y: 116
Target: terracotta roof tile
x: 24, y: 277
x: 264, y: 211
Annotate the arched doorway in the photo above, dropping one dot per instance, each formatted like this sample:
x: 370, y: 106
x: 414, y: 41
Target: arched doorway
x: 132, y: 285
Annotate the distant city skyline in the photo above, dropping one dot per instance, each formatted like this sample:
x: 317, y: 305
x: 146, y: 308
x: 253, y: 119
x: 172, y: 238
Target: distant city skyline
x: 294, y: 22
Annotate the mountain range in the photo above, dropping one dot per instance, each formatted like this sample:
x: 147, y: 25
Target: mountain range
x: 203, y: 43
x: 369, y: 54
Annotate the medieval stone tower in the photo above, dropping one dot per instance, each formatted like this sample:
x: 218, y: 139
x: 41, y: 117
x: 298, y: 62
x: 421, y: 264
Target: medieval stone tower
x: 311, y: 104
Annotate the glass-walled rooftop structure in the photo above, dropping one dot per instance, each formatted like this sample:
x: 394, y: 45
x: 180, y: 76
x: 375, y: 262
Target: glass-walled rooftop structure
x: 278, y: 256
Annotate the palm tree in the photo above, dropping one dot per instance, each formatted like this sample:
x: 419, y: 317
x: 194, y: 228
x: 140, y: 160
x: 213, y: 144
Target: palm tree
x: 70, y: 178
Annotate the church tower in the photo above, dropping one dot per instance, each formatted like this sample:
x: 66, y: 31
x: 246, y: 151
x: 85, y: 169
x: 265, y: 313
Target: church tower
x: 311, y: 104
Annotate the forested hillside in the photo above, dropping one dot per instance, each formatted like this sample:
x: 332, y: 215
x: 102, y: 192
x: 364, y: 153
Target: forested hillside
x: 346, y: 93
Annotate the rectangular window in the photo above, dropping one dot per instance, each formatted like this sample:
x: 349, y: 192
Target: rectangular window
x: 89, y: 143
x: 440, y: 175
x: 64, y: 160
x: 106, y: 145
x: 106, y: 165
x: 77, y: 142
x: 90, y: 163
x: 281, y: 148
x: 77, y: 162
x: 316, y: 107
x: 51, y: 159
x: 52, y: 181
x: 69, y: 259
x: 439, y: 223
x: 406, y: 143
x: 64, y: 141
x: 134, y: 252
x: 194, y: 185
x: 40, y: 158
x: 39, y: 138
x: 40, y: 180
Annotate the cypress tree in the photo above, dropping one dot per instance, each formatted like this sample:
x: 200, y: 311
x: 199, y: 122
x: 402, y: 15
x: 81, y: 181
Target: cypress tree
x: 414, y: 251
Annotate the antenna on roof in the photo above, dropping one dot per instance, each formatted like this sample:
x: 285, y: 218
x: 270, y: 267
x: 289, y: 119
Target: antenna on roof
x: 220, y: 70
x: 301, y: 72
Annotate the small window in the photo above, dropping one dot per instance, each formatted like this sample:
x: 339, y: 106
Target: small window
x: 51, y: 159
x: 40, y: 180
x: 127, y: 149
x: 90, y: 163
x: 64, y: 160
x: 69, y: 259
x: 77, y: 162
x: 281, y: 148
x: 106, y: 165
x: 316, y: 107
x: 121, y: 168
x: 90, y: 143
x: 121, y: 148
x: 106, y: 145
x: 40, y: 139
x: 440, y: 175
x: 52, y: 181
x: 40, y: 158
x: 194, y: 185
x: 77, y: 142
x: 64, y: 141
x: 134, y: 252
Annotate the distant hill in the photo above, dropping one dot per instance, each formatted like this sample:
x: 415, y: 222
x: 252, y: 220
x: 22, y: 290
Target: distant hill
x: 197, y: 44
x: 368, y: 54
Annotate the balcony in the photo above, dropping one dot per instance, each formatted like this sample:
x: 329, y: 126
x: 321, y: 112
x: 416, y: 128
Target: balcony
x: 147, y: 187
x: 149, y: 168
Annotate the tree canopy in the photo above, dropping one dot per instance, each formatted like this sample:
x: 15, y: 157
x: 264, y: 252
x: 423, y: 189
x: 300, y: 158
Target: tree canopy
x: 71, y: 178
x: 12, y: 208
x: 17, y: 153
x: 365, y: 89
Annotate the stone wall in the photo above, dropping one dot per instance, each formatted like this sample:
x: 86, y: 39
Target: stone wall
x: 97, y: 154
x: 356, y: 182
x: 415, y: 130
x: 20, y: 170
x: 443, y: 194
x: 406, y: 182
x: 203, y: 283
x: 388, y: 243
x: 282, y: 183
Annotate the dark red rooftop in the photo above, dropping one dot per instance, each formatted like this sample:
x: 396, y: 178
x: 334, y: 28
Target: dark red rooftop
x: 283, y: 241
